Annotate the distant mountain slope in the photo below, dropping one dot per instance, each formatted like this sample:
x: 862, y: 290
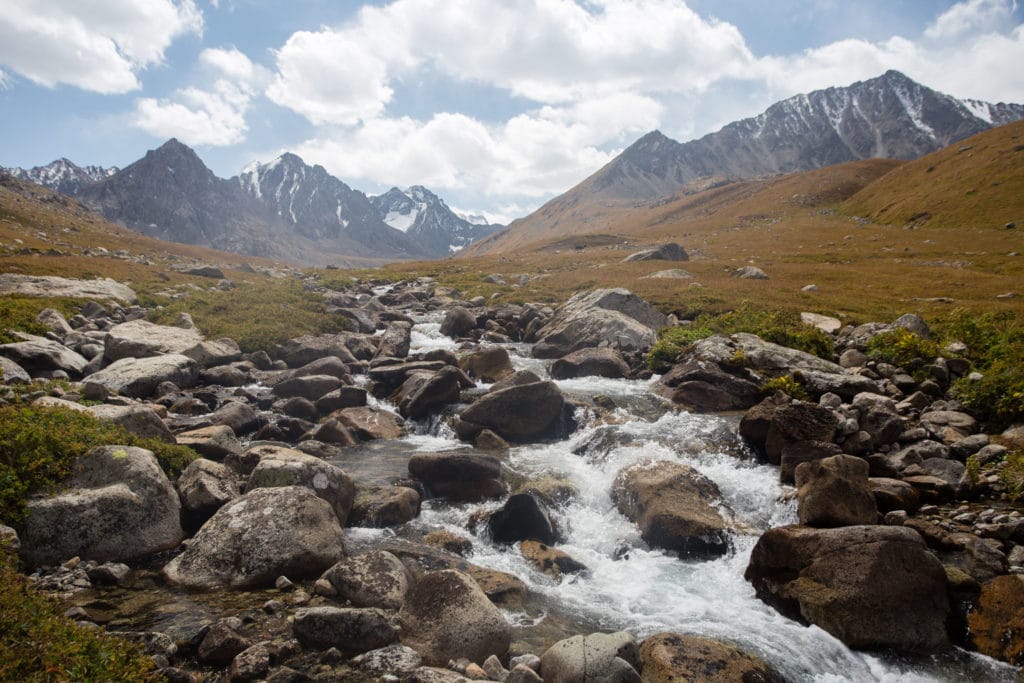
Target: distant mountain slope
x: 63, y: 175
x: 890, y: 116
x: 425, y: 217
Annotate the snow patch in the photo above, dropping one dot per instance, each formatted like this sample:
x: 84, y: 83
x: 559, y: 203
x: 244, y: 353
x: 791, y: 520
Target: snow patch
x: 401, y: 221
x: 983, y: 110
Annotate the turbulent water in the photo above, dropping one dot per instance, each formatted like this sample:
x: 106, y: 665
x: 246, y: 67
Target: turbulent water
x: 631, y: 587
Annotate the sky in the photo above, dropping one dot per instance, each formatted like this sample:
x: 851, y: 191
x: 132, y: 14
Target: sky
x: 495, y: 105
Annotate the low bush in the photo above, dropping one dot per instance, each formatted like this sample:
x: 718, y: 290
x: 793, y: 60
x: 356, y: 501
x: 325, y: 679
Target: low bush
x: 20, y: 313
x: 672, y: 341
x: 40, y: 644
x: 902, y: 348
x: 38, y: 447
x: 788, y: 385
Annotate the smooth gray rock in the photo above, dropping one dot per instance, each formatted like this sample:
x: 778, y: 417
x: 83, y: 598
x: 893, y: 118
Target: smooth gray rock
x: 351, y: 630
x: 279, y: 466
x: 52, y: 286
x: 141, y: 339
x: 38, y: 354
x: 12, y: 373
x: 372, y: 579
x: 139, y: 377
x: 608, y: 657
x: 204, y: 487
x: 615, y: 318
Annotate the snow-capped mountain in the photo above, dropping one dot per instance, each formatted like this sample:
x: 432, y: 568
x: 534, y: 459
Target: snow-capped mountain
x: 890, y: 116
x: 425, y: 217
x: 63, y: 176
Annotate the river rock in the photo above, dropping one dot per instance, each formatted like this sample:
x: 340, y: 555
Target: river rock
x: 384, y: 506
x: 522, y: 413
x: 239, y: 416
x: 137, y: 418
x: 458, y: 475
x: 250, y: 664
x: 670, y: 251
x: 310, y: 387
x: 394, y: 343
x: 552, y: 561
x: 447, y: 616
x: 306, y: 349
x: 12, y: 373
x: 521, y: 518
x: 215, y: 442
x: 873, y: 587
x: 341, y: 398
x: 119, y: 506
x: 795, y: 422
x: 799, y: 452
x: 835, y: 491
x: 703, y: 386
x: 214, y: 352
x: 615, y: 318
x: 675, y: 507
x: 489, y: 364
x: 204, y: 487
x: 424, y: 393
x: 39, y: 354
x: 949, y: 426
x: 140, y: 339
x: 351, y: 630
x: 590, y: 363
x: 267, y: 533
x: 286, y: 467
x: 457, y: 322
x: 372, y: 579
x: 674, y: 657
x: 996, y: 621
x: 595, y: 657
x: 893, y: 494
x: 370, y: 423
x: 393, y: 659
x: 139, y: 377
x: 222, y: 642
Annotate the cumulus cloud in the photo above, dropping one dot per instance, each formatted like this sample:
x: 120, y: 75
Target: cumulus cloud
x: 972, y: 17
x: 98, y: 46
x: 211, y: 115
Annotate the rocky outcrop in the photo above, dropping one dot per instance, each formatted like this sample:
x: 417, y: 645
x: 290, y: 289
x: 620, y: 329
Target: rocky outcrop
x: 673, y: 657
x: 664, y: 252
x: 613, y: 318
x: 50, y: 286
x: 287, y: 467
x: 873, y: 587
x: 119, y: 506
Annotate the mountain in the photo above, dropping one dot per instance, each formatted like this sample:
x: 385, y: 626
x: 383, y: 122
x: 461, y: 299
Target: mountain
x: 886, y: 117
x: 425, y: 217
x: 63, y: 175
x: 322, y: 208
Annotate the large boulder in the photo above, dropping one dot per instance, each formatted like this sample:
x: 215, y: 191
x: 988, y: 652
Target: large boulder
x: 457, y: 322
x: 351, y: 630
x: 676, y: 507
x: 52, y: 286
x: 522, y: 517
x: 795, y: 422
x: 615, y: 318
x: 204, y: 487
x: 215, y: 442
x: 137, y: 418
x: 704, y: 386
x: 835, y: 492
x: 590, y: 363
x: 383, y: 506
x: 12, y: 373
x: 310, y: 387
x: 139, y: 339
x: 373, y: 579
x: 139, y: 377
x: 369, y: 423
x: 872, y: 587
x: 214, y: 352
x: 306, y: 349
x: 120, y: 506
x: 395, y: 341
x: 520, y: 413
x: 489, y: 364
x: 670, y: 251
x: 38, y: 354
x: 458, y: 475
x: 266, y: 533
x: 280, y: 466
x: 996, y: 621
x: 424, y: 393
x: 673, y: 657
x: 595, y: 657
x: 447, y: 616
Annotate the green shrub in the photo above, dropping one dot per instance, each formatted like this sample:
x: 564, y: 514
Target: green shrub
x: 902, y: 348
x: 38, y: 447
x: 40, y: 644
x: 1012, y: 474
x: 788, y: 385
x: 20, y: 312
x: 672, y: 341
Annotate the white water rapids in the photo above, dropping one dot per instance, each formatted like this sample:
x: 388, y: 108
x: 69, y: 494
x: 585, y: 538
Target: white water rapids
x: 629, y: 587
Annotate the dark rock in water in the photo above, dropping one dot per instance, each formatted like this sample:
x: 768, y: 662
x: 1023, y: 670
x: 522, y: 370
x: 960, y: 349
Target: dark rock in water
x: 706, y: 387
x: 370, y: 423
x: 834, y: 491
x: 675, y: 507
x: 457, y: 322
x: 351, y: 630
x: 673, y: 657
x: 590, y: 363
x: 552, y: 561
x: 341, y: 398
x: 665, y: 252
x: 458, y: 475
x: 521, y: 518
x: 394, y: 343
x: 424, y: 393
x: 595, y: 657
x: 223, y: 642
x: 384, y: 506
x: 489, y: 364
x: 997, y: 620
x: 239, y: 416
x: 522, y: 413
x: 799, y: 452
x: 756, y: 421
x: 873, y: 587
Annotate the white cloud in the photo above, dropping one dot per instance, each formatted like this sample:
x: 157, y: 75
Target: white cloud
x: 98, y: 45
x: 211, y: 115
x: 972, y: 17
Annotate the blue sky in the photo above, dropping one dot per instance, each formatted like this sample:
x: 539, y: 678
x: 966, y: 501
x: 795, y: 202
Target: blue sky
x: 496, y: 105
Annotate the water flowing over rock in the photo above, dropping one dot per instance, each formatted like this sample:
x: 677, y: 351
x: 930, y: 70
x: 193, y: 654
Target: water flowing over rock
x: 120, y: 506
x: 872, y: 587
x: 615, y: 318
x: 520, y: 413
x: 264, y: 534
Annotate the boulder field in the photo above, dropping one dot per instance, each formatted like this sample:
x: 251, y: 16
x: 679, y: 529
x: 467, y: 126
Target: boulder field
x: 896, y: 545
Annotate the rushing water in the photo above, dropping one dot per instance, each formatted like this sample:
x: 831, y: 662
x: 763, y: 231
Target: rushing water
x: 644, y: 591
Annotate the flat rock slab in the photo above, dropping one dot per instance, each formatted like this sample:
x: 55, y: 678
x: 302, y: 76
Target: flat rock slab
x: 51, y: 286
x: 139, y: 377
x: 139, y: 338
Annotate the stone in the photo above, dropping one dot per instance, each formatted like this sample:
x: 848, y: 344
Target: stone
x: 214, y: 352
x: 796, y: 422
x: 872, y: 587
x: 341, y: 398
x: 594, y: 657
x: 796, y: 453
x: 893, y: 494
x: 670, y: 251
x: 755, y: 422
x: 551, y: 561
x: 825, y: 323
x: 394, y: 343
x: 835, y: 491
x: 489, y: 364
x: 521, y: 673
x: 12, y: 373
x: 239, y: 416
x: 250, y: 664
x: 615, y: 318
x: 522, y: 517
x: 997, y: 620
x: 51, y: 286
x: 141, y: 339
x: 670, y: 274
x: 215, y: 442
x: 521, y: 413
x: 204, y: 487
x: 55, y: 321
x: 109, y: 573
x: 423, y: 394
x: 138, y: 419
x: 139, y: 377
x: 370, y: 423
x: 603, y: 362
x: 750, y: 273
x: 118, y: 506
x: 446, y: 616
x: 222, y: 642
x: 394, y: 659
x: 457, y: 322
x: 372, y: 579
x: 310, y: 387
x: 263, y: 534
x: 287, y: 467
x: 676, y: 508
x: 39, y: 354
x: 351, y: 630
x: 306, y: 349
x: 673, y: 657
x: 384, y: 506
x: 458, y: 475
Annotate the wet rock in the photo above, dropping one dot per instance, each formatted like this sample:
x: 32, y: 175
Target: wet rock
x: 590, y: 363
x: 446, y: 616
x: 796, y: 422
x: 672, y: 657
x: 109, y: 573
x: 351, y: 630
x: 835, y: 492
x: 394, y: 343
x: 595, y: 657
x: 287, y: 467
x: 384, y: 506
x: 260, y: 536
x: 458, y: 475
x: 215, y: 442
x: 139, y: 377
x: 204, y: 487
x: 997, y: 620
x: 893, y: 494
x: 222, y: 642
x: 552, y: 561
x: 669, y: 251
x: 615, y: 318
x: 388, y: 374
x: 705, y: 386
x: 140, y: 339
x: 873, y: 587
x: 446, y: 540
x: 341, y: 398
x: 120, y: 506
x: 423, y: 394
x: 393, y: 659
x: 676, y: 508
x: 457, y: 322
x: 310, y: 387
x: 522, y: 517
x: 372, y: 579
x: 521, y: 413
x: 39, y: 354
x: 370, y: 423
x: 250, y: 664
x: 489, y: 364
